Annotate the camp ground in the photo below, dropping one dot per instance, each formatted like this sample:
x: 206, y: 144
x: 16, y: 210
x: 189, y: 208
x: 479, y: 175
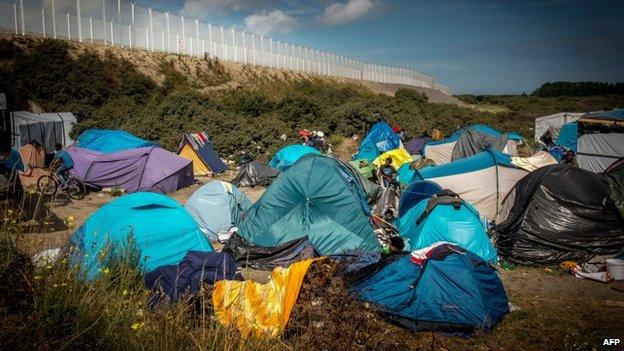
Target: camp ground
x: 453, y: 245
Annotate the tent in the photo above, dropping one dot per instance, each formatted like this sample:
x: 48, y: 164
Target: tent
x: 318, y: 197
x: 367, y: 171
x: 615, y: 177
x: 568, y: 136
x: 415, y: 146
x: 108, y: 141
x: 161, y: 229
x: 47, y: 129
x: 399, y: 157
x: 143, y: 169
x: 449, y: 290
x: 482, y: 180
x: 553, y: 122
x: 479, y: 138
x: 559, y: 213
x: 197, y: 148
x: 380, y: 138
x: 287, y: 156
x: 600, y: 139
x: 255, y: 173
x: 32, y: 156
x: 444, y: 217
x: 216, y: 207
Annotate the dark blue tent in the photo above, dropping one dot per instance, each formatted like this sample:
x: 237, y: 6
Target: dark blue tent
x: 452, y: 291
x: 416, y: 192
x: 380, y: 138
x: 197, y: 148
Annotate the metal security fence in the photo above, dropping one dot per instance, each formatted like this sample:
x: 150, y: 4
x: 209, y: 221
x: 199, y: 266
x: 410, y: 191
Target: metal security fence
x: 120, y: 23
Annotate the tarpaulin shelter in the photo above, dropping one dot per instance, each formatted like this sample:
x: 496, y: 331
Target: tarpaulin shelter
x: 288, y: 155
x: 615, y: 177
x: 143, y: 169
x: 399, y: 157
x: 157, y: 226
x: 443, y: 217
x: 246, y: 254
x: 217, y: 207
x: 600, y: 139
x: 109, y: 141
x: 553, y: 122
x: 32, y: 156
x: 318, y: 197
x: 415, y: 146
x: 479, y: 138
x: 451, y: 290
x: 197, y: 148
x: 482, y: 180
x: 47, y: 129
x: 255, y: 173
x: 380, y: 138
x: 559, y: 213
x: 260, y: 310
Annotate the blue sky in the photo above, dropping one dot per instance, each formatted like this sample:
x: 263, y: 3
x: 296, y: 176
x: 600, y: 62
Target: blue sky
x: 477, y: 47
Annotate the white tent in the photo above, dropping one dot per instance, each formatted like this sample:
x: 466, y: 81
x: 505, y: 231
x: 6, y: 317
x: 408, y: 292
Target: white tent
x: 46, y: 128
x: 553, y: 121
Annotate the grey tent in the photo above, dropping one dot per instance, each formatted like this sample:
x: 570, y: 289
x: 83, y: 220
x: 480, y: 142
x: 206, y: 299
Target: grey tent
x: 255, y: 173
x: 47, y: 128
x: 474, y: 141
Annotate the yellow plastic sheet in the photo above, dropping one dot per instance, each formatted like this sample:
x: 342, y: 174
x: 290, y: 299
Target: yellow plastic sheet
x: 399, y: 157
x: 260, y: 309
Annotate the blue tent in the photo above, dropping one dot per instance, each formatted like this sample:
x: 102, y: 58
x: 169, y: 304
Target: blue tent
x: 108, y: 141
x: 452, y: 291
x: 161, y: 229
x: 197, y: 148
x: 568, y: 136
x: 217, y: 206
x: 443, y: 218
x: 287, y: 156
x: 13, y: 162
x: 416, y: 192
x: 318, y: 197
x: 380, y: 138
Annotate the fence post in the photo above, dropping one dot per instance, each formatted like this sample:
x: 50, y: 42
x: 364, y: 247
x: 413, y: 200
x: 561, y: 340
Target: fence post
x: 162, y: 41
x: 244, y: 48
x: 223, y: 52
x: 197, y: 35
x: 263, y: 54
x: 270, y: 52
x: 15, y: 17
x: 79, y: 20
x: 68, y: 27
x: 151, y: 29
x: 253, y: 49
x: 183, y: 36
x: 22, y: 17
x: 43, y: 21
x: 131, y: 27
x: 234, y: 51
x: 168, y: 33
x: 103, y: 20
x: 91, y: 28
x: 213, y: 51
x: 112, y: 35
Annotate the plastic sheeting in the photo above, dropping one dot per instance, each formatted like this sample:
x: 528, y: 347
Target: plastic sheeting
x: 260, y: 257
x: 47, y: 128
x: 615, y: 177
x: 109, y: 141
x: 260, y: 310
x: 399, y: 157
x: 596, y: 152
x: 537, y: 160
x: 255, y: 173
x: 559, y: 213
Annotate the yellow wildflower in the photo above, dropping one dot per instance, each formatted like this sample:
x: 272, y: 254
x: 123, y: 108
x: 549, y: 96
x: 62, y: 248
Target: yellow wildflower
x: 124, y: 293
x: 105, y: 271
x: 136, y: 326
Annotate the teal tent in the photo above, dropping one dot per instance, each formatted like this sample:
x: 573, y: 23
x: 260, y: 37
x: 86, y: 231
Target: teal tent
x: 287, y: 156
x: 380, y: 138
x: 108, y: 141
x: 444, y: 218
x: 568, y: 135
x: 319, y: 197
x: 217, y: 206
x: 161, y: 229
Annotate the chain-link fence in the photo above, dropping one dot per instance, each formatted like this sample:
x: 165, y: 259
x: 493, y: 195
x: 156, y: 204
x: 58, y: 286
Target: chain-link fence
x: 120, y: 23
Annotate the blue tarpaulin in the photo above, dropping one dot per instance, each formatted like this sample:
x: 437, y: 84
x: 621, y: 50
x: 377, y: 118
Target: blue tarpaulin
x: 380, y: 138
x: 108, y: 141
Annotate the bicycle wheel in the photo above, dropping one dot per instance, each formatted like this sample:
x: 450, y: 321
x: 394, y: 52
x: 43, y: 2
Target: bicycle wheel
x: 76, y: 189
x: 47, y: 185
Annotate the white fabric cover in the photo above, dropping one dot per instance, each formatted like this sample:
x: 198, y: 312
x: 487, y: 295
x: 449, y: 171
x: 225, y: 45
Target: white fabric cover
x: 535, y: 161
x: 555, y: 120
x: 440, y: 154
x: 596, y: 152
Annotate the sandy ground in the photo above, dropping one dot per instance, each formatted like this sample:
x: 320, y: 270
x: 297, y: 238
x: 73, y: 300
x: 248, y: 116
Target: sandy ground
x: 554, y: 310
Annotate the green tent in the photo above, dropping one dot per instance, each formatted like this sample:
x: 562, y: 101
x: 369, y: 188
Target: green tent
x: 319, y: 197
x: 366, y: 171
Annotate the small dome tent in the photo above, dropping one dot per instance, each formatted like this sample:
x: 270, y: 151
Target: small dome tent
x: 197, y: 148
x: 255, y: 173
x: 162, y: 230
x: 287, y: 156
x: 318, y: 197
x: 217, y: 206
x: 380, y: 138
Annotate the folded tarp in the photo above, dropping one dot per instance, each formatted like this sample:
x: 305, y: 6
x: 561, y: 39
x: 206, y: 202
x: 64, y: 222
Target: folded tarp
x: 107, y: 141
x: 261, y: 310
x: 195, y: 269
x: 144, y: 169
x: 247, y: 254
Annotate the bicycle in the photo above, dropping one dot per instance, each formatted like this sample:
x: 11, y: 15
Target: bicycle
x: 50, y: 183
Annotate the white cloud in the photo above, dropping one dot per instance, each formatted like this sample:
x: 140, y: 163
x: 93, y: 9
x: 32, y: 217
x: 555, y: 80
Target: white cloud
x: 340, y: 12
x: 272, y: 21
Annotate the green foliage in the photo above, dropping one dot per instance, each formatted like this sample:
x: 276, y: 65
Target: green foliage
x: 555, y: 89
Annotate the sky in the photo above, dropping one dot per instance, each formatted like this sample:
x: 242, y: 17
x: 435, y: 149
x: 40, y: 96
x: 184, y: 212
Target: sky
x: 475, y: 47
